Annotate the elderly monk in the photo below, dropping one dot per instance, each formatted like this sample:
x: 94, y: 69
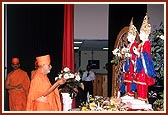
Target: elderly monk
x: 42, y: 95
x: 17, y: 83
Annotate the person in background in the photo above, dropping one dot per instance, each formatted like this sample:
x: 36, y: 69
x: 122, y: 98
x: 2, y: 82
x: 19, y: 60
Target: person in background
x: 107, y: 66
x: 42, y: 95
x: 145, y: 72
x: 80, y: 95
x: 88, y: 79
x: 17, y: 83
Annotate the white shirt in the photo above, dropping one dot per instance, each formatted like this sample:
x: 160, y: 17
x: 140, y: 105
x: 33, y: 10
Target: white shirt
x: 90, y: 77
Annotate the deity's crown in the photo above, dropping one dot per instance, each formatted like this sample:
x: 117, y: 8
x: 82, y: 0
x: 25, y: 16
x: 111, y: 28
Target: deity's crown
x: 145, y: 27
x: 132, y: 29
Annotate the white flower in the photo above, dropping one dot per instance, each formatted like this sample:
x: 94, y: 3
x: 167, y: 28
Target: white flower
x: 116, y: 51
x: 56, y: 78
x: 71, y: 75
x: 66, y: 69
x: 123, y: 50
x: 161, y: 36
x: 66, y: 76
x: 60, y: 75
x: 77, y: 78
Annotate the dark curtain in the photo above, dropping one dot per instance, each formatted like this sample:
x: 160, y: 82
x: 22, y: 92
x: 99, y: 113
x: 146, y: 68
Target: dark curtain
x: 34, y: 30
x: 119, y: 17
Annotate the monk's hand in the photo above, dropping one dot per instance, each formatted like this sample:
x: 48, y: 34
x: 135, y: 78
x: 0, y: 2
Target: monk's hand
x: 82, y: 86
x: 18, y: 87
x: 76, y: 90
x: 61, y: 81
x: 42, y: 99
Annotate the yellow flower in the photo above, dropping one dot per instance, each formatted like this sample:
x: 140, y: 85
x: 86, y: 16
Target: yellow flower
x: 91, y: 99
x: 84, y: 109
x: 91, y: 105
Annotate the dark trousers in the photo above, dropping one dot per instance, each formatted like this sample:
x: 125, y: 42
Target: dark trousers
x: 80, y: 97
x: 88, y: 86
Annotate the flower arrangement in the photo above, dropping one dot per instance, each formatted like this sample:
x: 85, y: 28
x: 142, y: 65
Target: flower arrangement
x: 72, y: 82
x: 117, y: 54
x: 99, y: 103
x: 126, y: 53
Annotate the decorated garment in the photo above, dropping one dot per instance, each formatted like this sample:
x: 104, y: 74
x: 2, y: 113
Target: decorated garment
x: 129, y: 71
x: 144, y: 66
x: 39, y: 85
x: 145, y: 72
x: 129, y: 64
x: 18, y: 98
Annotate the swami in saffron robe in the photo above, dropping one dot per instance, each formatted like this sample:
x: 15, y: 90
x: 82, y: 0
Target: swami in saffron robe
x: 39, y: 85
x: 18, y: 98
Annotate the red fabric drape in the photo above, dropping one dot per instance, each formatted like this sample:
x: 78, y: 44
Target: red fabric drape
x: 68, y: 40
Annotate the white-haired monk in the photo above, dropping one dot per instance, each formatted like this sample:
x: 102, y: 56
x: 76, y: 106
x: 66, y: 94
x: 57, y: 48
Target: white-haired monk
x: 42, y: 95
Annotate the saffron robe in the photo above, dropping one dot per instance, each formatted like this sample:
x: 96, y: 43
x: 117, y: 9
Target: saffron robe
x: 18, y: 98
x: 32, y: 73
x: 39, y: 85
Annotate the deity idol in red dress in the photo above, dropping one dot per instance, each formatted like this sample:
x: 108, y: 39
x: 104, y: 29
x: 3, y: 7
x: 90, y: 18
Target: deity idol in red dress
x: 144, y: 67
x: 129, y: 55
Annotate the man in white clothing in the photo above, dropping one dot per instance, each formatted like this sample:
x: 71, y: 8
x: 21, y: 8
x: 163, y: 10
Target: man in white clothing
x: 88, y: 78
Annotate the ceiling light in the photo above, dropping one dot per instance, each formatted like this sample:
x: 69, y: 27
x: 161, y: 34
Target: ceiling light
x: 76, y: 48
x: 105, y: 48
x: 77, y: 42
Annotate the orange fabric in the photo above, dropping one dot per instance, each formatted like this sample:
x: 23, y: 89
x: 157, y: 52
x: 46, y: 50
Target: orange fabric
x: 43, y: 60
x: 36, y: 63
x: 15, y: 60
x: 32, y: 73
x: 40, y: 84
x: 18, y: 98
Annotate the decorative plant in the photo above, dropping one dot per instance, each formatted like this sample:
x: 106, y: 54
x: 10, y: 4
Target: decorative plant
x: 117, y: 54
x: 158, y: 104
x: 72, y: 82
x: 157, y: 49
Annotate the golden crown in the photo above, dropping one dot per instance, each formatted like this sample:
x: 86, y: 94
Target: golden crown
x: 132, y: 29
x: 146, y: 27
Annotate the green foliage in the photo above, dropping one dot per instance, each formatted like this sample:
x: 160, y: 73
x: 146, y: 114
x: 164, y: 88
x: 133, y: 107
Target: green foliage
x: 158, y: 104
x: 116, y: 60
x: 157, y: 50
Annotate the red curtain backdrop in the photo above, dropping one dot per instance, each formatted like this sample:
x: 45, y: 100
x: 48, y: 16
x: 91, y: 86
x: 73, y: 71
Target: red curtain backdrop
x: 68, y: 40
